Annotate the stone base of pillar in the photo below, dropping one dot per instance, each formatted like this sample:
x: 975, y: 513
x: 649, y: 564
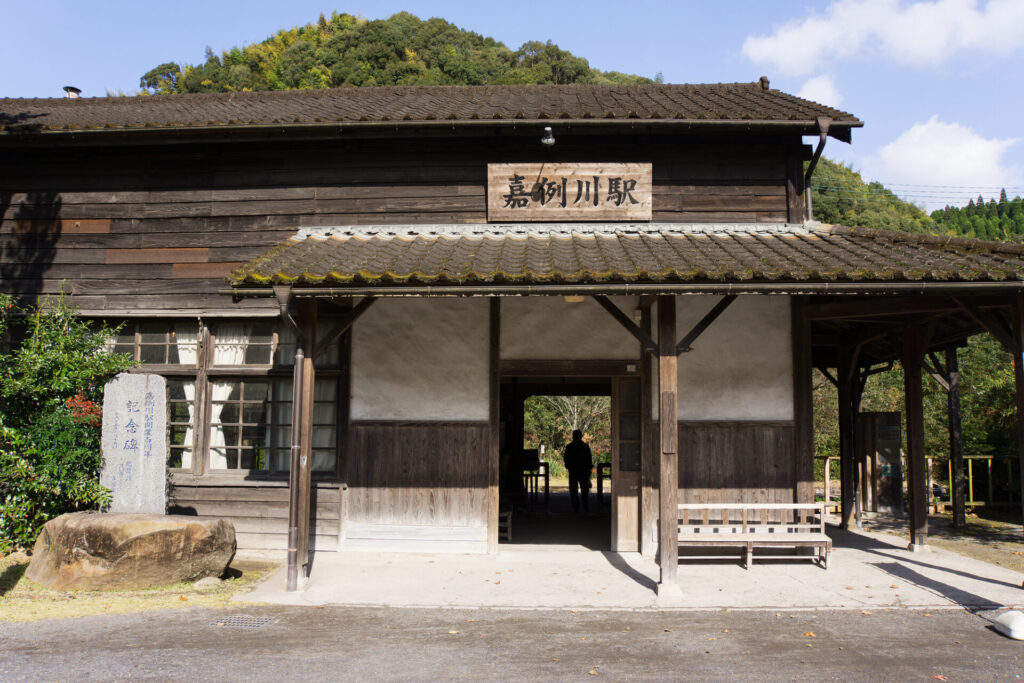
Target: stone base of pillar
x: 669, y: 595
x: 919, y: 548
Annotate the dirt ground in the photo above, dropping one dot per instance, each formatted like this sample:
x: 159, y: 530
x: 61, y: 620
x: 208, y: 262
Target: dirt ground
x: 990, y: 536
x: 22, y: 599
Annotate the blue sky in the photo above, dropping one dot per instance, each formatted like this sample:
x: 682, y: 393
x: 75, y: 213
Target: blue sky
x: 938, y: 83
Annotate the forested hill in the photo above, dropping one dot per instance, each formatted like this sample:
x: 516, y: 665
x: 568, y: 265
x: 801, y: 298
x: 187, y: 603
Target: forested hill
x: 841, y: 196
x: 989, y: 220
x: 344, y: 50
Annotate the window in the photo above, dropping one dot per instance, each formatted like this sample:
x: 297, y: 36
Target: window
x: 233, y: 403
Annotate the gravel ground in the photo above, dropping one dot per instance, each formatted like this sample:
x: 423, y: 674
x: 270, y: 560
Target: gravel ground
x: 336, y: 643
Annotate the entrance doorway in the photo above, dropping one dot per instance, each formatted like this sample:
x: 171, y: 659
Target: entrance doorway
x: 537, y: 413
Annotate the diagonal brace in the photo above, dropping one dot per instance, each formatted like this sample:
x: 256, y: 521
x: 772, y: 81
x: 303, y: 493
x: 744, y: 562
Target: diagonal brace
x: 342, y: 327
x: 996, y: 327
x: 705, y: 322
x: 649, y: 344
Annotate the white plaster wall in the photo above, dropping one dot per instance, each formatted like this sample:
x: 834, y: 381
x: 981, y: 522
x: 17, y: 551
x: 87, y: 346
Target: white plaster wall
x: 549, y: 328
x: 741, y: 367
x: 421, y: 359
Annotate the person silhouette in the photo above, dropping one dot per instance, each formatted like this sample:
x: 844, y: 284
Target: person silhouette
x: 578, y: 461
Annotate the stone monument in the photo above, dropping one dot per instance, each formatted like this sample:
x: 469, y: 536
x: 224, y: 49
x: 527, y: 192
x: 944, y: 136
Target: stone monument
x: 135, y: 443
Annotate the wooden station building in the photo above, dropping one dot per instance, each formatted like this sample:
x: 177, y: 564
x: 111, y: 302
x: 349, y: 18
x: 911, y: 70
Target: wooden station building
x: 394, y: 269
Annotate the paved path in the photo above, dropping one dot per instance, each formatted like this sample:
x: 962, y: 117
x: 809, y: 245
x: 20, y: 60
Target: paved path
x: 347, y: 643
x: 868, y: 570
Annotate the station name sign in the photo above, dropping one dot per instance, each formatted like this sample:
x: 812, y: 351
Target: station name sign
x: 568, y: 192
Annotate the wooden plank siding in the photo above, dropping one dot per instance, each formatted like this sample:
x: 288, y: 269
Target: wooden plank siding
x: 416, y: 483
x: 151, y: 229
x: 737, y: 462
x: 258, y: 509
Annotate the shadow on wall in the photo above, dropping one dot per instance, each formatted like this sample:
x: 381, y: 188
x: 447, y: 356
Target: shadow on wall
x: 28, y: 242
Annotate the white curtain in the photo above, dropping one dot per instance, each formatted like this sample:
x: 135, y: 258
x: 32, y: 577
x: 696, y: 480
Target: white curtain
x: 229, y: 349
x: 325, y: 431
x: 186, y: 337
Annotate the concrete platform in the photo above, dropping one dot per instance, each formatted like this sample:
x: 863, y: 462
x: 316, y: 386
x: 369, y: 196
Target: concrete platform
x: 868, y: 571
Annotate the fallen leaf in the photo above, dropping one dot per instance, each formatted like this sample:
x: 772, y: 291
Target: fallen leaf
x: 865, y: 613
x: 471, y: 620
x: 957, y: 642
x: 725, y: 631
x: 777, y: 615
x: 849, y: 588
x: 810, y: 634
x: 940, y: 677
x: 893, y: 586
x: 809, y: 645
x: 583, y: 638
x: 708, y: 638
x: 497, y: 582
x: 668, y: 630
x: 1017, y: 552
x: 592, y: 672
x: 182, y: 597
x: 453, y: 633
x: 927, y: 615
x: 554, y: 659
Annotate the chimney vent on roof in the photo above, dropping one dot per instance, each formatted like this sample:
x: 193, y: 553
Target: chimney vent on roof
x: 764, y: 82
x: 72, y: 91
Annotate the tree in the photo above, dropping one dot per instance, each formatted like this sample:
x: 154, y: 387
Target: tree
x: 402, y: 50
x: 550, y: 420
x: 51, y: 386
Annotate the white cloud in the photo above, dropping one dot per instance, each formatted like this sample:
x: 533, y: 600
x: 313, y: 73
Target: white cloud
x: 919, y: 33
x: 821, y: 89
x: 954, y: 160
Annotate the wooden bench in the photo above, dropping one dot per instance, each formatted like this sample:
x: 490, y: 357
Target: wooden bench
x: 756, y: 525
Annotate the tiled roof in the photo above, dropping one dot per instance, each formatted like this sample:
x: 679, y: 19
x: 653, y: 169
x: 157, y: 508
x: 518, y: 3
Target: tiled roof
x: 723, y: 102
x: 619, y: 253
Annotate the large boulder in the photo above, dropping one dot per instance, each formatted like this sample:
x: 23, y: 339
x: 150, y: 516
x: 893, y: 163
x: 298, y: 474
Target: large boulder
x: 94, y: 551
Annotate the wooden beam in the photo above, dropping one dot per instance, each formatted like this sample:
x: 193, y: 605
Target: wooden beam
x: 994, y: 325
x: 879, y: 306
x: 847, y: 427
x: 627, y: 322
x: 803, y: 405
x: 913, y: 353
x: 936, y: 370
x: 650, y: 459
x: 494, y: 425
x: 698, y: 329
x: 956, y: 441
x: 1018, y: 375
x: 343, y: 326
x: 572, y: 368
x: 668, y: 379
x: 307, y: 322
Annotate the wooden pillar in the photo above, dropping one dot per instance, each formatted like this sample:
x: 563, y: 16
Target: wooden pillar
x: 803, y: 406
x: 307, y: 324
x: 913, y: 354
x: 651, y: 461
x: 494, y: 426
x: 668, y: 380
x: 847, y: 418
x: 956, y: 441
x: 1018, y: 374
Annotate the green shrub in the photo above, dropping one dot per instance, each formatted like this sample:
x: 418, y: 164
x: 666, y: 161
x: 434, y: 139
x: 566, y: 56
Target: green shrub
x: 51, y: 385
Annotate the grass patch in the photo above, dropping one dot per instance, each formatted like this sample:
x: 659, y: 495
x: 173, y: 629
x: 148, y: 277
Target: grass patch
x: 22, y: 599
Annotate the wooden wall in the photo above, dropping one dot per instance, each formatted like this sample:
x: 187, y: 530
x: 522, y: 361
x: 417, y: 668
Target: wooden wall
x: 416, y: 486
x: 258, y: 509
x: 728, y: 462
x: 143, y: 229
